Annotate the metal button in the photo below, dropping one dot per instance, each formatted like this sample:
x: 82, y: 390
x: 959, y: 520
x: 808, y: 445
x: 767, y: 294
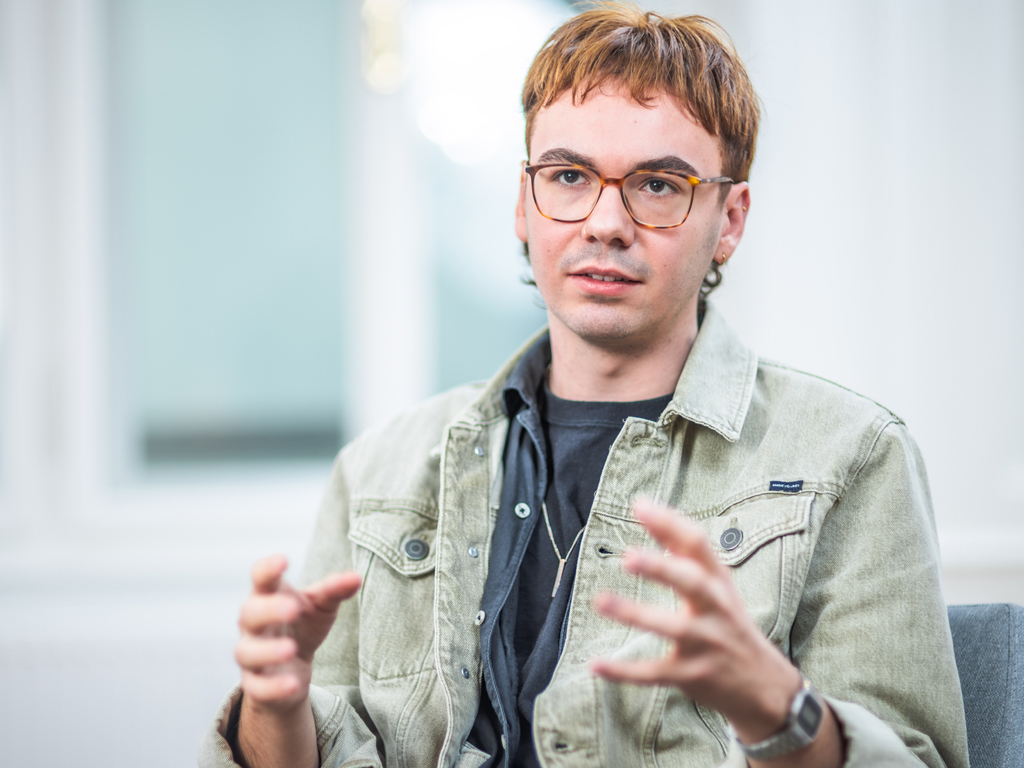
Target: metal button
x: 474, y: 552
x: 416, y: 549
x: 480, y: 618
x: 522, y: 510
x: 465, y: 673
x: 479, y: 451
x: 731, y: 538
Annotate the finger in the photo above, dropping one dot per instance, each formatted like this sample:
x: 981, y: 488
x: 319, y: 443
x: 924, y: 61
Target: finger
x: 661, y: 621
x: 268, y: 689
x: 261, y: 612
x: 254, y: 654
x: 676, y: 534
x: 684, y: 575
x: 267, y: 573
x: 642, y: 672
x: 326, y: 595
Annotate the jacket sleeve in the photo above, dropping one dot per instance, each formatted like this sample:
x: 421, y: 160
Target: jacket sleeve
x: 871, y: 631
x: 344, y: 732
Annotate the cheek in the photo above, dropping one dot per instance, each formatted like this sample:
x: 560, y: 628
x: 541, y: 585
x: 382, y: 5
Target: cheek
x: 703, y: 247
x: 687, y: 262
x: 543, y: 263
x: 708, y: 248
x: 548, y: 241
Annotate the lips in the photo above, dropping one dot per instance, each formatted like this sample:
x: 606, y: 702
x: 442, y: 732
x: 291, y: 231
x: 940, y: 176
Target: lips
x: 605, y: 276
x: 603, y: 284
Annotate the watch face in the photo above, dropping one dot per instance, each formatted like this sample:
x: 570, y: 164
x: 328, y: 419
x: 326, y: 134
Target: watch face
x: 809, y: 717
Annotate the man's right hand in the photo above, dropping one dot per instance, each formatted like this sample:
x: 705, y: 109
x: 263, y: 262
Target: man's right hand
x: 281, y: 629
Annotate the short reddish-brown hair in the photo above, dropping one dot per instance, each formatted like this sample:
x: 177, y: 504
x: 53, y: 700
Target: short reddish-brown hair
x: 688, y: 57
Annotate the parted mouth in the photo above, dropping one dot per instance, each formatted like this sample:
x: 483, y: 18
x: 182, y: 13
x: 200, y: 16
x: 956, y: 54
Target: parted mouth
x: 607, y: 276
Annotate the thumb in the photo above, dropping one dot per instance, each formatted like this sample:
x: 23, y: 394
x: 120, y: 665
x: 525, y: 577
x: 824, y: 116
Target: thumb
x: 328, y: 594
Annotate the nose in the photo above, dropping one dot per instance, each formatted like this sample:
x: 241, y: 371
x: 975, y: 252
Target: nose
x: 610, y: 223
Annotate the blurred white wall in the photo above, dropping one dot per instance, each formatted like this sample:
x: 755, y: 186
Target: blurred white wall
x: 880, y: 253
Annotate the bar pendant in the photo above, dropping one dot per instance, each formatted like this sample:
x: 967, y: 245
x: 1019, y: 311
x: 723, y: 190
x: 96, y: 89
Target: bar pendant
x: 558, y: 576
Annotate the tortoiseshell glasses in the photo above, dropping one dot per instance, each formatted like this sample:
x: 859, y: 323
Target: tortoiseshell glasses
x: 654, y: 199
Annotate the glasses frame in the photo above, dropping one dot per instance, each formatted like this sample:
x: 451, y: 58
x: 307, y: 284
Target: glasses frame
x: 694, y: 182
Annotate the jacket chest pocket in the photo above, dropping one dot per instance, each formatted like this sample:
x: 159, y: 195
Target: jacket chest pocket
x: 395, y: 554
x: 765, y: 540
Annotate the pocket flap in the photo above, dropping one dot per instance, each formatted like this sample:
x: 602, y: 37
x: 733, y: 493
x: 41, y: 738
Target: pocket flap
x: 758, y: 521
x: 392, y: 531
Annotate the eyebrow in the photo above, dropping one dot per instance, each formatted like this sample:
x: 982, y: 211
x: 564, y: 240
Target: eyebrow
x: 567, y: 156
x: 665, y: 163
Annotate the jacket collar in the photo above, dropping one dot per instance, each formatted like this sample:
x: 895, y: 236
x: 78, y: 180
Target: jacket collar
x: 714, y: 389
x: 717, y: 382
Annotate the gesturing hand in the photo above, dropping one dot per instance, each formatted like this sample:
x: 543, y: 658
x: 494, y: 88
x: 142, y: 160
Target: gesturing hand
x: 717, y: 655
x: 281, y: 629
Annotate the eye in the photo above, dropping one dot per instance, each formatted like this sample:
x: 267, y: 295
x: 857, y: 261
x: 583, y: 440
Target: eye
x: 660, y: 186
x: 570, y: 177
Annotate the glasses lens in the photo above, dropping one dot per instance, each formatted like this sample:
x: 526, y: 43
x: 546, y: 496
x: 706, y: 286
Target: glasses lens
x: 657, y: 199
x: 566, y: 192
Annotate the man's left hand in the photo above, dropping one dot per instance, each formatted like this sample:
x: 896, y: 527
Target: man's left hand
x: 717, y: 656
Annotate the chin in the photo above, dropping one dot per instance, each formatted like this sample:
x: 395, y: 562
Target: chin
x: 612, y: 332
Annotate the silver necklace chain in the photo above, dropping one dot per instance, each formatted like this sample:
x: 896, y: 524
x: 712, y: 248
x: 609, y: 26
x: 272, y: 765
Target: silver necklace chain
x: 561, y: 560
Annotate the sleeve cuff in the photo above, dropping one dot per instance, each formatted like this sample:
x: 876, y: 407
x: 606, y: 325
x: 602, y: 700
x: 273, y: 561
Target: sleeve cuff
x: 870, y: 742
x: 869, y: 739
x: 328, y: 714
x: 214, y: 749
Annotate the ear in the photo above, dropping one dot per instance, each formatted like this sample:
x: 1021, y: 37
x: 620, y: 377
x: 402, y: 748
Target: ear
x: 521, y: 204
x: 734, y: 219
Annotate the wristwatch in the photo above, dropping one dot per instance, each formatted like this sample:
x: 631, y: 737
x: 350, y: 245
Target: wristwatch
x: 805, y: 716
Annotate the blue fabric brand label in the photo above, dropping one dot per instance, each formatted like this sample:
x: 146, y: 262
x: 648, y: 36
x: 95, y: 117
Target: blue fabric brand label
x: 792, y: 486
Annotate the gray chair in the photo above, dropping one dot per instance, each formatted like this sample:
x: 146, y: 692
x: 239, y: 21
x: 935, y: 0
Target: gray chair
x: 988, y: 641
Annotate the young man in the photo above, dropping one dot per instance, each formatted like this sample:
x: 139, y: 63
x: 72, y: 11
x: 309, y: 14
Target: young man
x: 637, y: 545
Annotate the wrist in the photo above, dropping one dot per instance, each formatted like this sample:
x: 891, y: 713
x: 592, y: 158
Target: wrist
x: 275, y: 736
x: 768, y: 710
x: 280, y: 711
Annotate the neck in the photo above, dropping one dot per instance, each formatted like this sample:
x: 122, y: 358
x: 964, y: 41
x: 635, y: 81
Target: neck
x: 621, y: 372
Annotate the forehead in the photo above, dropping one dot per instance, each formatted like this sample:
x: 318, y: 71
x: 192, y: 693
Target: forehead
x: 618, y: 132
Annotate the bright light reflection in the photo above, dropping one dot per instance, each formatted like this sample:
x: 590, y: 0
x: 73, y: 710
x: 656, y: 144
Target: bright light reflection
x: 469, y: 59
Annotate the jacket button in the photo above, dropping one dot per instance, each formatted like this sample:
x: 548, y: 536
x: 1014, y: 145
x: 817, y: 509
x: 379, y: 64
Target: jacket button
x: 416, y: 549
x: 480, y: 618
x: 731, y: 539
x: 465, y: 673
x: 474, y: 552
x: 522, y: 510
x: 479, y: 451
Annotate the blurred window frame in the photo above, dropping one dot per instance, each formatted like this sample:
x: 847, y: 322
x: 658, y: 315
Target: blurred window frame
x: 64, y: 511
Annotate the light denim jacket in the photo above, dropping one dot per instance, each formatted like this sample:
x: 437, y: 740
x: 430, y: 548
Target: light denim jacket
x: 842, y: 575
